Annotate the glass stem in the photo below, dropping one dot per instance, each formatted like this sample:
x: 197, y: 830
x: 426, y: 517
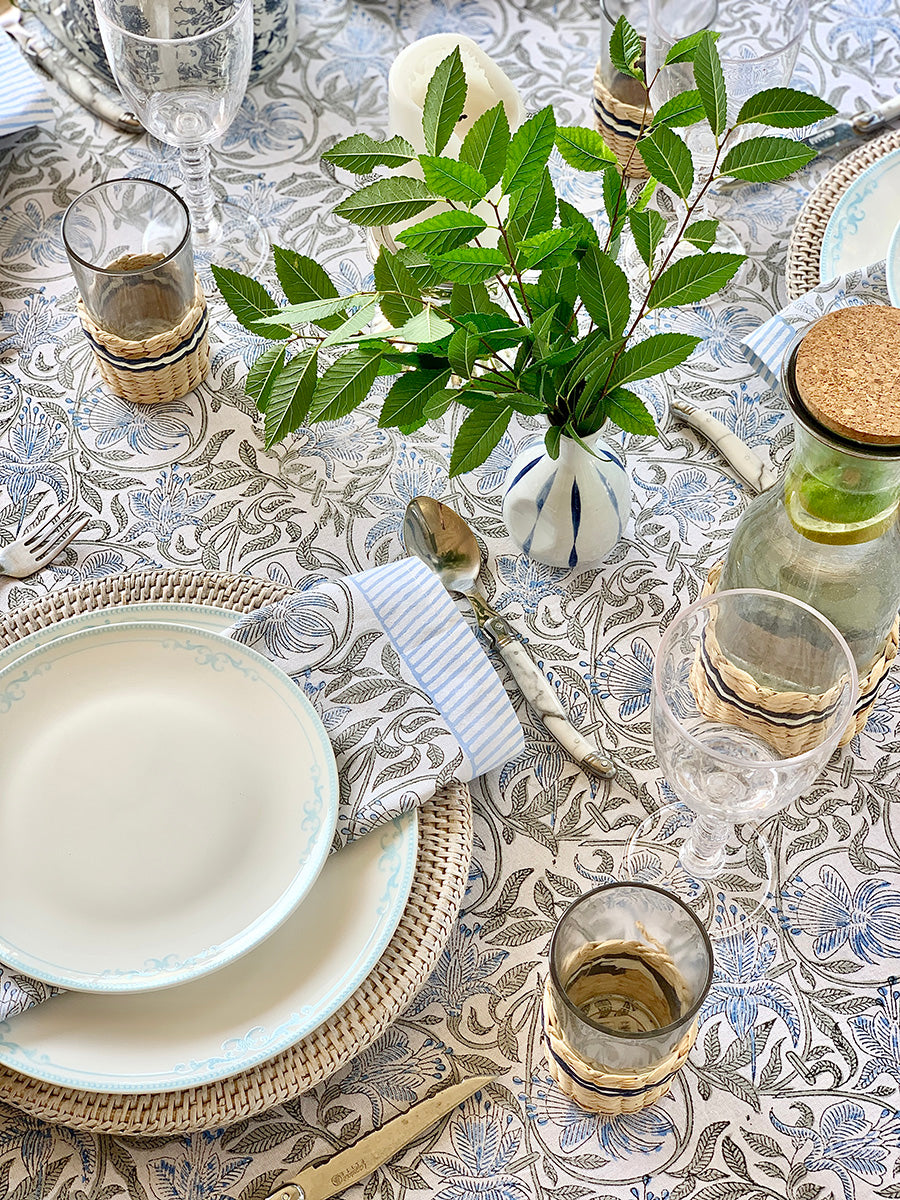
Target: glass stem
x: 703, y: 852
x: 195, y: 168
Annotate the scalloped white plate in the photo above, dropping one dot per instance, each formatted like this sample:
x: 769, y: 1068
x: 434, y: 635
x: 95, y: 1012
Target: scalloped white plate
x: 860, y: 228
x: 168, y: 799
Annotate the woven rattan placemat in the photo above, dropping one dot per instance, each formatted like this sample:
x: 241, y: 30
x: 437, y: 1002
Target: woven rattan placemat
x: 806, y: 239
x: 442, y: 867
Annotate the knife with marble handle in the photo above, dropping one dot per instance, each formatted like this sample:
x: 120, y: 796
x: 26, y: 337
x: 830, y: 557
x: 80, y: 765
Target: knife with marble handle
x: 373, y: 1150
x: 745, y: 463
x: 62, y: 67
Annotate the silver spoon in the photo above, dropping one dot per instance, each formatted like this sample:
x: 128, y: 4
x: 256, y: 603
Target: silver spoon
x: 443, y: 540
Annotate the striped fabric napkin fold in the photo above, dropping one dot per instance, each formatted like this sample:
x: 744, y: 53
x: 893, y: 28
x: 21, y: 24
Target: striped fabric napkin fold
x: 767, y: 346
x: 24, y: 100
x: 407, y: 696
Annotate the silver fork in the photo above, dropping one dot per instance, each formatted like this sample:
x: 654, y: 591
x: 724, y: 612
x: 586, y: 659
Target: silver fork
x: 43, y: 542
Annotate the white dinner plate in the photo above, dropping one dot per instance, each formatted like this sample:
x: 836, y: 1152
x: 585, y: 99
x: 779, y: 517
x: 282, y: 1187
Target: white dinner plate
x: 255, y: 1007
x: 859, y: 229
x: 168, y: 799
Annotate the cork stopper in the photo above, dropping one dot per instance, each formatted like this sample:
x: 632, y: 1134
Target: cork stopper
x: 847, y: 373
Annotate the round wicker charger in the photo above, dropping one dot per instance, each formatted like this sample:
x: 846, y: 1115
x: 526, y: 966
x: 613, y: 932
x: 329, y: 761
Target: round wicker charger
x: 806, y: 239
x: 442, y: 867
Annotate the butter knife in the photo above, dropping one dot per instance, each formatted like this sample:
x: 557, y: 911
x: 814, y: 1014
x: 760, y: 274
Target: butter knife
x: 852, y: 129
x: 60, y: 66
x: 373, y: 1150
x: 745, y: 463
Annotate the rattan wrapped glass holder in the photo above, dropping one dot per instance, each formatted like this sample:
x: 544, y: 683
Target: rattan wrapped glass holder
x: 729, y: 694
x: 161, y: 368
x: 598, y: 1089
x: 620, y: 124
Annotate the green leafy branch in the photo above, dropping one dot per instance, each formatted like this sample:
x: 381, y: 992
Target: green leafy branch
x: 491, y: 291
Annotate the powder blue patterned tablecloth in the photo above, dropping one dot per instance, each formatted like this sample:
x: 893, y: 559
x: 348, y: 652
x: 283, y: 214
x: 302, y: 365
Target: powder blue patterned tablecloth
x: 792, y: 1088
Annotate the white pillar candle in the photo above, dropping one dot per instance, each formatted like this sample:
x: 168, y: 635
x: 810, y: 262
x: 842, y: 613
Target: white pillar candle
x: 411, y: 73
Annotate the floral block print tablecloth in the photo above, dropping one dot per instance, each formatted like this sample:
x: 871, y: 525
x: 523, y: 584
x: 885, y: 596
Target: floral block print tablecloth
x: 791, y: 1090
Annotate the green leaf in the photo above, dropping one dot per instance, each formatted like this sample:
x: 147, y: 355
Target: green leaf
x: 702, y: 234
x: 419, y: 266
x: 529, y: 151
x: 668, y: 159
x: 693, y: 278
x: 361, y: 153
x: 550, y: 249
x: 784, y: 108
x: 584, y: 149
x: 453, y: 180
x: 464, y: 350
x: 765, y: 159
x: 288, y: 405
x: 444, y: 102
x: 685, y: 108
x: 303, y: 280
x: 442, y: 232
x: 409, y: 395
x: 249, y: 301
x: 425, y: 327
x: 710, y: 82
x: 485, y: 145
x: 471, y: 298
x: 552, y: 439
x: 603, y: 286
x: 683, y: 51
x: 646, y: 194
x: 478, y: 435
x: 400, y: 295
x: 647, y: 229
x: 655, y: 354
x: 387, y: 201
x: 629, y: 412
x: 496, y: 330
x: 626, y: 49
x: 354, y: 324
x: 470, y: 264
x: 571, y: 218
x: 309, y: 313
x: 345, y: 384
x: 615, y: 202
x: 533, y: 209
x: 263, y: 374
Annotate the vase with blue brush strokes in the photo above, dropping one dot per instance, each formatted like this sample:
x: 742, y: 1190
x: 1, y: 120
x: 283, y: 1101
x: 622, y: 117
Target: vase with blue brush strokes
x: 569, y: 511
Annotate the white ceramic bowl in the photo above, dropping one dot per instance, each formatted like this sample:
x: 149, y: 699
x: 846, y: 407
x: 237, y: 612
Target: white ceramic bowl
x: 892, y: 267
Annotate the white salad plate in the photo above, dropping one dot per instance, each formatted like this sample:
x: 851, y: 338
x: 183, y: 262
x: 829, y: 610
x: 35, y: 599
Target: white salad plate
x: 255, y: 1007
x: 860, y: 227
x: 169, y: 797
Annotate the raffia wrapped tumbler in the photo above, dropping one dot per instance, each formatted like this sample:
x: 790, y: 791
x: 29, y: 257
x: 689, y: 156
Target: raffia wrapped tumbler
x: 141, y: 305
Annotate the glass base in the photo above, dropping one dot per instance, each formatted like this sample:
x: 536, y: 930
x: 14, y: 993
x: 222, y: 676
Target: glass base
x: 745, y: 878
x: 237, y: 240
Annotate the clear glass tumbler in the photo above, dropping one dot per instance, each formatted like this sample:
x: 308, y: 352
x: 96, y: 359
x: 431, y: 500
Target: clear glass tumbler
x: 630, y: 966
x: 129, y: 245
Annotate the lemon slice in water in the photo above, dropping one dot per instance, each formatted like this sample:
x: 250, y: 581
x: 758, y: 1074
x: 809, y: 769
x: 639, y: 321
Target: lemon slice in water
x: 851, y: 533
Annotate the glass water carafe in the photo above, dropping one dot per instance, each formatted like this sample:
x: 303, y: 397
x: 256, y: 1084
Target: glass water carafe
x: 827, y: 532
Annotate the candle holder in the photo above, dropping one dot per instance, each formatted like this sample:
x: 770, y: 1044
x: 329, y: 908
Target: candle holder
x: 630, y: 967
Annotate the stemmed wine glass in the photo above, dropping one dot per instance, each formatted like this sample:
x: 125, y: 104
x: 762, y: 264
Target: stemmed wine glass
x: 752, y: 691
x: 758, y: 44
x: 184, y: 67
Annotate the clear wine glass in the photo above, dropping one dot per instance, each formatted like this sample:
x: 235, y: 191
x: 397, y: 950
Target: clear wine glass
x: 184, y: 65
x: 752, y: 691
x: 758, y: 45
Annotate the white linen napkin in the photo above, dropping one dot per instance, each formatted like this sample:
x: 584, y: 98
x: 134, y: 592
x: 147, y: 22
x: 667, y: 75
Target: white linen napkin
x: 24, y: 100
x: 767, y: 346
x: 407, y: 696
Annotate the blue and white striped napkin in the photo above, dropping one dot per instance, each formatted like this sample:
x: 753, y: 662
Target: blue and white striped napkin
x: 24, y: 100
x: 406, y: 694
x: 767, y: 346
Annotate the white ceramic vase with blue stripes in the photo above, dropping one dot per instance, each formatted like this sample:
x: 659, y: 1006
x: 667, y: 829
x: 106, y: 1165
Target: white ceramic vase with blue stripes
x: 570, y: 512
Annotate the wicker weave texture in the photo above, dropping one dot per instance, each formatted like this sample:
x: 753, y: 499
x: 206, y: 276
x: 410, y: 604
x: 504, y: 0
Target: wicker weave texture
x: 162, y: 368
x: 806, y: 239
x: 602, y: 1091
x: 618, y: 124
x: 442, y: 868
